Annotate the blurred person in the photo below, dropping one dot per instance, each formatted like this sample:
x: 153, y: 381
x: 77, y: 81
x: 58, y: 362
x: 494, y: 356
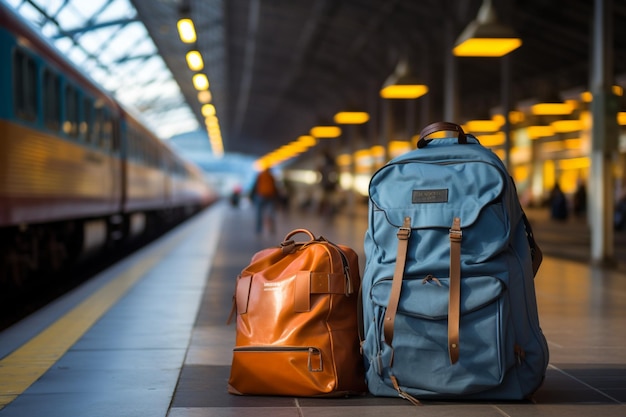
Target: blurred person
x: 235, y: 196
x: 329, y: 181
x: 558, y: 204
x: 265, y: 196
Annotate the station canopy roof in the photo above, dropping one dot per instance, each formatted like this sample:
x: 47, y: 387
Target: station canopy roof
x: 108, y: 42
x: 279, y: 67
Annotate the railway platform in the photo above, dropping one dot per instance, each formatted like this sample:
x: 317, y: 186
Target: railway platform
x: 148, y: 337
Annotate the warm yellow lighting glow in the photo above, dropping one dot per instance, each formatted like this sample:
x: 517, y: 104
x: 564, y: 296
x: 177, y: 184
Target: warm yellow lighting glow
x: 482, y: 126
x: 208, y: 110
x: 404, y: 91
x: 575, y: 143
x: 377, y: 151
x: 516, y: 116
x: 487, y: 47
x: 621, y: 118
x: 344, y: 160
x: 186, y: 30
x: 574, y: 163
x: 549, y: 147
x: 307, y: 140
x: 587, y: 97
x: 492, y: 140
x: 351, y: 117
x: 194, y: 60
x: 536, y: 132
x: 565, y: 126
x: 325, y: 131
x: 398, y: 147
x: 499, y: 153
x: 305, y: 176
x: 200, y: 82
x: 552, y: 109
x: 204, y: 96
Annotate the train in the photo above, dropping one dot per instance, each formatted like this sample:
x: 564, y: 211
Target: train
x: 79, y: 173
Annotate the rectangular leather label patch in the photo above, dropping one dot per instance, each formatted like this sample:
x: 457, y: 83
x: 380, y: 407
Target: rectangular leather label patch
x: 430, y: 196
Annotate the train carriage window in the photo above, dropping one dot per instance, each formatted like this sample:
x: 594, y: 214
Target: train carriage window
x: 116, y: 136
x: 51, y: 96
x: 86, y: 123
x: 24, y: 86
x: 70, y: 125
x: 131, y: 145
x: 97, y: 126
x: 106, y: 131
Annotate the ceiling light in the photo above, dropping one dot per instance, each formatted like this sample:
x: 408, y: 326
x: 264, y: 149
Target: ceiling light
x: 200, y: 82
x: 204, y: 96
x: 194, y: 61
x: 552, y: 109
x: 351, y: 117
x: 402, y: 84
x: 485, y: 36
x: 566, y: 126
x: 536, y: 132
x: 208, y: 110
x: 495, y: 139
x: 325, y: 131
x: 307, y: 140
x: 186, y: 30
x: 482, y: 126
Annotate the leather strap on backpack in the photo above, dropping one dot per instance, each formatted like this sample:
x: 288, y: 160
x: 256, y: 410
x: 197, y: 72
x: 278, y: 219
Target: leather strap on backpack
x: 454, y: 303
x: 396, y: 287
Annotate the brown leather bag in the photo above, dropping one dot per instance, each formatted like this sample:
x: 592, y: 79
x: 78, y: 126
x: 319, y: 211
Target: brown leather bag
x: 297, y: 331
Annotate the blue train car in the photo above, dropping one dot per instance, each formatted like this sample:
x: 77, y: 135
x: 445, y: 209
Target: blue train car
x: 77, y: 171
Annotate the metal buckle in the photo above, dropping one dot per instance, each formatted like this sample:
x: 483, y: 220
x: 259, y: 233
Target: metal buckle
x: 456, y: 234
x: 404, y: 229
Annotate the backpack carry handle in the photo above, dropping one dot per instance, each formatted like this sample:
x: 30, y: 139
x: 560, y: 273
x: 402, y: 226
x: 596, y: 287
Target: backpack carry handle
x: 288, y: 245
x: 441, y: 127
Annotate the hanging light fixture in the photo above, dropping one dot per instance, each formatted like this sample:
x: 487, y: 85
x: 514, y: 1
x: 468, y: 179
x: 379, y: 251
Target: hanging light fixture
x: 325, y: 131
x: 351, y: 117
x: 200, y: 82
x: 402, y: 84
x: 486, y: 36
x: 186, y: 30
x: 194, y: 60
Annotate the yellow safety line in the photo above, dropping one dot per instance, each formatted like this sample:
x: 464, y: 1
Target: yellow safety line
x: 23, y: 367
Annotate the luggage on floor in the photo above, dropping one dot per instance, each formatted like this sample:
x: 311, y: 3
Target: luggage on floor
x: 449, y: 301
x: 297, y: 334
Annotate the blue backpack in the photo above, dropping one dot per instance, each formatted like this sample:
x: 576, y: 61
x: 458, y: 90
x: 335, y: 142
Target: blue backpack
x: 449, y: 307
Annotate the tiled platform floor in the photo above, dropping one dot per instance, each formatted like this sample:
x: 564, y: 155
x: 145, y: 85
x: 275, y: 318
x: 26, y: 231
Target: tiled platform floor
x: 164, y: 349
x: 582, y: 310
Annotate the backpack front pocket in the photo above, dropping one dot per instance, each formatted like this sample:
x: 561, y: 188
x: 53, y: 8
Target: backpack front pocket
x: 420, y: 342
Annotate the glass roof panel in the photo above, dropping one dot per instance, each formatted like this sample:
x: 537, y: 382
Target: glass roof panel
x: 102, y: 39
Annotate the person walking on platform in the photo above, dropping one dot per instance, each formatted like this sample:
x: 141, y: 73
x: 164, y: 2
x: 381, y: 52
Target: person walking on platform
x: 558, y: 204
x: 329, y: 181
x: 265, y: 196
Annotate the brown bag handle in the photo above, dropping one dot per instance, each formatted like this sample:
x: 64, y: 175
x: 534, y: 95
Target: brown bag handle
x: 296, y: 231
x: 288, y: 245
x: 441, y: 127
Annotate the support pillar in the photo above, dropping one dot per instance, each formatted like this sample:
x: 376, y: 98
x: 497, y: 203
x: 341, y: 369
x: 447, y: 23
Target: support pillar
x: 604, y: 136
